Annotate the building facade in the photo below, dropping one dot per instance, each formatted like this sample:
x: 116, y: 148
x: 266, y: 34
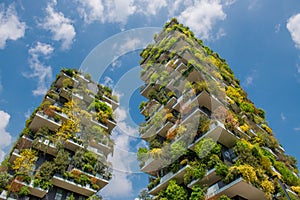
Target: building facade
x: 62, y: 151
x: 206, y: 139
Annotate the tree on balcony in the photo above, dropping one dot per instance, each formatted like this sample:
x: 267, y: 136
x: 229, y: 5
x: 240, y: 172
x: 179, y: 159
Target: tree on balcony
x: 197, y: 193
x: 173, y: 191
x: 61, y: 161
x: 44, y: 174
x: 25, y: 163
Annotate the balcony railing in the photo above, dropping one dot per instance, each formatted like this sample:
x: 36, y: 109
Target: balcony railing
x: 105, y: 147
x: 97, y: 151
x: 15, y: 154
x: 85, y: 190
x: 40, y: 120
x: 217, y: 132
x: 46, y: 146
x: 73, y: 145
x: 164, y: 181
x: 63, y: 76
x: 101, y: 180
x: 99, y: 124
x: 210, y: 178
x: 35, y: 191
x: 4, y: 196
x: 238, y: 187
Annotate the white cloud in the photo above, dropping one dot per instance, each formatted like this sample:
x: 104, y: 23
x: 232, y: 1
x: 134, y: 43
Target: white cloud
x: 4, y: 135
x: 130, y: 44
x: 248, y: 81
x: 254, y: 5
x: 294, y: 29
x: 39, y: 70
x: 297, y: 129
x: 11, y: 28
x: 60, y: 26
x: 91, y: 10
x: 119, y: 10
x: 202, y: 16
x: 283, y: 117
x: 151, y: 7
x: 106, y: 11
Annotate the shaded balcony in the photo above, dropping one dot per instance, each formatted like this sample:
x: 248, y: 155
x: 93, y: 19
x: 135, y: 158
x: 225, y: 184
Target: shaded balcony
x: 101, y: 181
x: 40, y: 120
x: 4, y: 196
x: 34, y: 191
x: 103, y: 146
x: 62, y: 77
x: 218, y: 133
x: 84, y: 190
x: 203, y: 99
x: 73, y: 145
x: 164, y: 181
x: 14, y: 155
x: 239, y: 187
x: 210, y: 178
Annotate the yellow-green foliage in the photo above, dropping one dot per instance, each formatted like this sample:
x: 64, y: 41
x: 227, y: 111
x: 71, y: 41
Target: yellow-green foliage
x: 25, y: 163
x: 235, y: 94
x: 266, y: 128
x: 296, y: 189
x: 156, y: 153
x: 244, y: 127
x: 247, y: 172
x: 268, y: 188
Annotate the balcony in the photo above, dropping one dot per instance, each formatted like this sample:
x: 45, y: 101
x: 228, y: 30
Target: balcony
x: 34, y: 191
x: 97, y: 151
x: 4, y: 196
x: 40, y: 120
x: 73, y: 145
x: 110, y: 101
x: 218, y: 133
x: 149, y: 131
x: 111, y: 124
x: 239, y: 187
x: 99, y: 124
x: 65, y: 93
x: 46, y: 146
x: 270, y: 151
x: 101, y: 181
x: 72, y: 186
x: 170, y: 102
x: 15, y: 154
x: 24, y: 142
x: 62, y: 77
x: 102, y: 146
x: 162, y: 131
x: 64, y: 117
x: 164, y: 181
x: 210, y: 178
x: 203, y: 99
x: 80, y: 76
x: 152, y: 164
x: 145, y: 90
x: 150, y: 107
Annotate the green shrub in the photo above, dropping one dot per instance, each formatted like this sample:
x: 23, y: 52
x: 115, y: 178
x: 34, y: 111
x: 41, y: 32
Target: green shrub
x: 24, y: 191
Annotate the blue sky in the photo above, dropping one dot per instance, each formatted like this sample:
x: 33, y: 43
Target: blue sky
x: 260, y: 40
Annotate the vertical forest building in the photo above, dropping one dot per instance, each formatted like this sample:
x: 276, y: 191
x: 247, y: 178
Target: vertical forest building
x: 62, y: 151
x: 207, y: 140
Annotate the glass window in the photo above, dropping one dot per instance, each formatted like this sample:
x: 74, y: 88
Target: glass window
x: 58, y: 195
